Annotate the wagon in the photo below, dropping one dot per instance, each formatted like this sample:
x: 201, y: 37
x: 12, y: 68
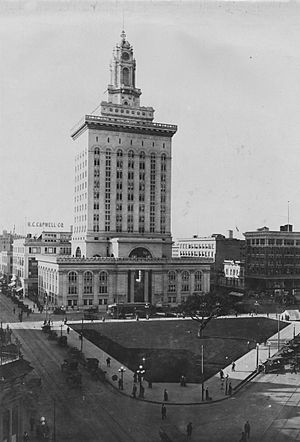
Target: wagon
x: 69, y: 365
x: 74, y: 379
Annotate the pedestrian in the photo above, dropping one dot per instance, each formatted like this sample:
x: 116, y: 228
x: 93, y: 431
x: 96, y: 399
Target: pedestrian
x: 31, y: 421
x: 134, y: 388
x: 243, y: 437
x: 229, y: 389
x: 163, y: 412
x: 68, y: 330
x: 166, y: 396
x: 233, y: 366
x: 25, y: 436
x: 149, y: 383
x: 206, y: 395
x: 142, y: 391
x: 189, y: 429
x: 65, y: 321
x: 221, y: 374
x: 247, y: 430
x: 222, y: 384
x: 134, y: 377
x: 108, y: 361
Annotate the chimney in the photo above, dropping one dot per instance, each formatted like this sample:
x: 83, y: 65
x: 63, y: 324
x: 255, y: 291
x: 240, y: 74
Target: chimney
x: 230, y: 234
x: 286, y: 228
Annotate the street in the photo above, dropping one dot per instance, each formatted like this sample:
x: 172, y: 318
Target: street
x: 98, y: 412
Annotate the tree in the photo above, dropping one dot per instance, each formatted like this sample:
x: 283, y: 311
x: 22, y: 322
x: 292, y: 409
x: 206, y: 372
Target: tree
x: 202, y: 308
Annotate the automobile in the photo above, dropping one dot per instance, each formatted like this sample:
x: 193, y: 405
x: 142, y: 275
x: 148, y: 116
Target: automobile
x: 59, y: 311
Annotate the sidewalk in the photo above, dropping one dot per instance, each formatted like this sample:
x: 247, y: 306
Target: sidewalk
x: 191, y: 394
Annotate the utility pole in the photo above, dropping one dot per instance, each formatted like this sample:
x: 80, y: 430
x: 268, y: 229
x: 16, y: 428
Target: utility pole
x: 202, y: 371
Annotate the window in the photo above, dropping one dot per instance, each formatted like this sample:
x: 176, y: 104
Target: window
x: 103, y: 282
x: 88, y: 282
x: 126, y: 76
x: 72, y: 283
x: 198, y: 279
x: 172, y: 282
x: 185, y: 281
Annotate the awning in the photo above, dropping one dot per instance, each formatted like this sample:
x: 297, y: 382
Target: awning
x: 11, y: 284
x: 19, y: 289
x: 239, y: 295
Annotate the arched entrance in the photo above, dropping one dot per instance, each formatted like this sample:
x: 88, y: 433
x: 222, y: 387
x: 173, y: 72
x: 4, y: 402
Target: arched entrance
x: 78, y: 252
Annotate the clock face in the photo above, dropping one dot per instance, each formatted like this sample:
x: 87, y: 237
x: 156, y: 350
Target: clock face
x: 125, y: 56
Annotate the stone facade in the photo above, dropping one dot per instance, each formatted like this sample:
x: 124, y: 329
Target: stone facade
x: 86, y: 282
x: 121, y: 242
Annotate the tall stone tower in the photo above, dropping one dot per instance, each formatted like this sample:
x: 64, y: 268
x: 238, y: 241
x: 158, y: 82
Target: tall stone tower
x: 122, y: 200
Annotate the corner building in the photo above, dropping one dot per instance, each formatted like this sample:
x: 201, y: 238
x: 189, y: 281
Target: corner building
x: 122, y: 205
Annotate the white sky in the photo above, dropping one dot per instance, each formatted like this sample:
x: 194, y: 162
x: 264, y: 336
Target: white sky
x: 227, y: 74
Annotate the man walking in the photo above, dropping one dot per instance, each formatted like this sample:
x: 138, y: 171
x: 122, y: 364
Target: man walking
x: 163, y: 412
x: 247, y: 429
x: 134, y: 388
x: 189, y: 429
x: 108, y: 361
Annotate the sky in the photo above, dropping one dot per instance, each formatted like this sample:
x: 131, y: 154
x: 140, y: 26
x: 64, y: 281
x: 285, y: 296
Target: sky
x: 226, y: 73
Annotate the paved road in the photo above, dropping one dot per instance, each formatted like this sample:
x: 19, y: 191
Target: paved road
x: 100, y: 413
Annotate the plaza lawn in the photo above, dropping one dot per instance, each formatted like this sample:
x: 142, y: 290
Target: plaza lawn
x: 172, y: 348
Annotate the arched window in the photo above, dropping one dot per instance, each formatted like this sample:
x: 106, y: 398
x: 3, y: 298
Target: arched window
x: 72, y: 283
x: 103, y: 282
x: 126, y: 76
x: 97, y: 151
x: 198, y: 281
x: 78, y: 252
x: 172, y: 282
x: 88, y: 282
x: 140, y: 252
x: 185, y: 281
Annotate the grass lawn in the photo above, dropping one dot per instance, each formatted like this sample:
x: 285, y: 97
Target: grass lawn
x: 172, y: 348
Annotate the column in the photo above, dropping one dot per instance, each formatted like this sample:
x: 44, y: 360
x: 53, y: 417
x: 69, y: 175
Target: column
x: 146, y: 283
x: 64, y: 289
x: 125, y: 191
x: 192, y: 282
x: 179, y: 279
x: 147, y: 193
x: 132, y: 286
x: 80, y: 289
x: 95, y: 288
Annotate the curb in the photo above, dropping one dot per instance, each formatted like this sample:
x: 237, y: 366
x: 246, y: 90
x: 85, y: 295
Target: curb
x: 236, y: 389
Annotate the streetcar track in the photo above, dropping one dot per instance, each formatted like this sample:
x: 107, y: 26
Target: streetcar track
x: 50, y: 379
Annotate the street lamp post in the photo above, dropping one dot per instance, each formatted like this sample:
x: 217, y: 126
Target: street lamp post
x: 140, y: 373
x: 294, y: 331
x: 202, y: 372
x: 278, y: 333
x: 269, y: 347
x: 257, y: 355
x: 81, y: 336
x: 122, y: 370
x: 61, y: 330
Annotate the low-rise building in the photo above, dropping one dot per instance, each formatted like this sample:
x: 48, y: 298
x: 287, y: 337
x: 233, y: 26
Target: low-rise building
x: 215, y: 247
x: 273, y: 259
x: 234, y: 275
x: 13, y: 371
x: 85, y: 282
x: 25, y: 258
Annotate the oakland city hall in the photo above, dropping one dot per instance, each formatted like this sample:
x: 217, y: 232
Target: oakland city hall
x: 121, y: 239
